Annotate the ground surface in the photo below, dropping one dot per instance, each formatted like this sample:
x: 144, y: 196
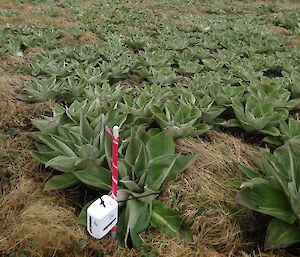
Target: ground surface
x: 38, y: 223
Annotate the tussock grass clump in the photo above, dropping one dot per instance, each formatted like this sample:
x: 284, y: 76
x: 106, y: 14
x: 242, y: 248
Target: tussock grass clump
x: 204, y: 195
x: 36, y: 223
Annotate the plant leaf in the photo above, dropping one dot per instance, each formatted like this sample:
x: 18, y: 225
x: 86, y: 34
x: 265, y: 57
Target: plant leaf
x: 167, y: 220
x: 97, y: 177
x: 281, y: 235
x: 158, y: 170
x: 182, y: 162
x: 61, y: 181
x: 139, y: 215
x: 63, y: 163
x: 260, y: 195
x: 160, y: 144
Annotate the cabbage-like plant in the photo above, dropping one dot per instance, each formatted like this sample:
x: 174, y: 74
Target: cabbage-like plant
x: 109, y: 96
x: 212, y: 64
x: 189, y: 67
x: 273, y: 91
x: 257, y: 116
x: 92, y: 75
x: 147, y: 162
x: 210, y: 111
x: 289, y: 132
x: 187, y: 63
x: 72, y: 142
x: 294, y: 80
x: 180, y: 120
x: 137, y: 41
x: 42, y: 90
x: 163, y: 76
x: 139, y: 107
x: 176, y: 43
x: 276, y: 192
x: 157, y: 58
x: 53, y: 63
x: 223, y: 94
x: 73, y: 89
x: 120, y: 67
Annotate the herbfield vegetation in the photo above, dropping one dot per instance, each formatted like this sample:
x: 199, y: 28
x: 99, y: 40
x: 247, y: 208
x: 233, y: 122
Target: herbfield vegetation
x: 207, y: 97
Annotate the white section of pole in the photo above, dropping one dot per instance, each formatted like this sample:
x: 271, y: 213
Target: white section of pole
x: 116, y: 131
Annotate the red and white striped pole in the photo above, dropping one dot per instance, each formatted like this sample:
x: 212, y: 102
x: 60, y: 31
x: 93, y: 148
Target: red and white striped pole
x: 115, y: 140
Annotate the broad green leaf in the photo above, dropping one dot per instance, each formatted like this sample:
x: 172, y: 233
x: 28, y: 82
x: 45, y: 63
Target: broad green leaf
x: 63, y: 163
x: 88, y: 151
x: 273, y: 140
x: 160, y: 144
x: 130, y: 185
x: 57, y: 145
x: 158, y: 170
x: 167, y: 220
x: 97, y: 177
x: 181, y: 163
x: 233, y: 123
x: 61, y: 181
x: 273, y: 131
x: 259, y: 195
x: 85, y: 128
x: 249, y: 172
x: 281, y: 234
x: 45, y: 126
x: 138, y: 221
x: 135, y: 155
x: 44, y: 157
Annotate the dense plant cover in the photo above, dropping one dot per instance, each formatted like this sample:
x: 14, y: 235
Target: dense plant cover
x: 160, y: 80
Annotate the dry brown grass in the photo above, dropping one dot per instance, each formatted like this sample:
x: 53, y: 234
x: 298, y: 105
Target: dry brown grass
x: 28, y: 14
x: 196, y: 11
x: 295, y: 41
x: 89, y: 38
x: 17, y: 114
x: 204, y: 195
x: 277, y: 29
x: 35, y: 222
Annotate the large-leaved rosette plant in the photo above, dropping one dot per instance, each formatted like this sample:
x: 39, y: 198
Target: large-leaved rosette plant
x: 149, y: 160
x: 179, y: 119
x: 276, y: 192
x: 72, y: 143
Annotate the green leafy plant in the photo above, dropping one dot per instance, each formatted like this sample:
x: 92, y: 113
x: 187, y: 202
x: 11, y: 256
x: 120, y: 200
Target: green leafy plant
x: 72, y: 142
x: 273, y: 91
x: 223, y: 94
x: 257, y: 116
x: 42, y: 90
x: 289, y: 132
x: 164, y: 76
x: 180, y: 120
x: 210, y: 111
x: 275, y: 192
x: 148, y: 161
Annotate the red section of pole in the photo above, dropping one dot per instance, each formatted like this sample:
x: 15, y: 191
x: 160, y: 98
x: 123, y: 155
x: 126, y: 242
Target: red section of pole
x: 115, y: 139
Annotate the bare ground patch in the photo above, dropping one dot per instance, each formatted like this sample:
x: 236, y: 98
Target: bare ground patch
x: 28, y: 14
x: 89, y: 38
x: 277, y: 29
x: 196, y: 11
